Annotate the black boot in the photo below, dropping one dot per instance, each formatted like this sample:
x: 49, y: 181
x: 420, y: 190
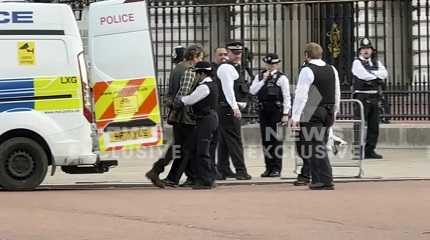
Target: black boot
x: 373, y: 155
x: 265, y: 173
x: 275, y: 173
x: 301, y: 180
x: 154, y: 178
x: 243, y: 176
x: 321, y: 186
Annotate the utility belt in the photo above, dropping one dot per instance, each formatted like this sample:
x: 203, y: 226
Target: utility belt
x: 202, y: 115
x: 366, y: 94
x: 270, y: 105
x: 366, y: 86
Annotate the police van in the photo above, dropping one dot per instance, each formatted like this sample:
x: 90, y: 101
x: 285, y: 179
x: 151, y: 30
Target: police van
x: 52, y: 113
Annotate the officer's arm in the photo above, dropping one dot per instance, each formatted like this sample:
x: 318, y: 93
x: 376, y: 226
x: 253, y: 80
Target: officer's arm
x: 360, y: 72
x: 306, y: 78
x: 381, y: 73
x: 285, y: 87
x: 336, y: 92
x: 256, y: 85
x: 196, y: 96
x: 227, y: 75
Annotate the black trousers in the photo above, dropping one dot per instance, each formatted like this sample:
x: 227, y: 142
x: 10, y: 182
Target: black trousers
x: 270, y: 120
x: 311, y: 147
x: 179, y: 152
x: 230, y: 141
x: 372, y: 118
x: 203, y: 162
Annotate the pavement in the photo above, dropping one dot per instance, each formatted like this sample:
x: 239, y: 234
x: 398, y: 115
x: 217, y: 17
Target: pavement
x: 389, y: 201
x: 374, y: 210
x: 398, y: 164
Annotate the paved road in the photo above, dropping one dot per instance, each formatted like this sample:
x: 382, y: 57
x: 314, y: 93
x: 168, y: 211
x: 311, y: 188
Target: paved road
x: 383, y: 210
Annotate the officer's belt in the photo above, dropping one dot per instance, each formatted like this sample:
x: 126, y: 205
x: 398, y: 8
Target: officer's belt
x: 366, y: 91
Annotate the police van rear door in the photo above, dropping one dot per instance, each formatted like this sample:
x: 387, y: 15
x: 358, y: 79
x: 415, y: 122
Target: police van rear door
x: 122, y: 75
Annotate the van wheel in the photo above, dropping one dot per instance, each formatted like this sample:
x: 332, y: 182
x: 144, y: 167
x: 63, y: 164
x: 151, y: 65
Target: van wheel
x: 23, y: 164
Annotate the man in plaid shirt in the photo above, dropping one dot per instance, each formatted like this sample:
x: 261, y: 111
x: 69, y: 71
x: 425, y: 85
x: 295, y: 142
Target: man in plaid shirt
x: 181, y: 83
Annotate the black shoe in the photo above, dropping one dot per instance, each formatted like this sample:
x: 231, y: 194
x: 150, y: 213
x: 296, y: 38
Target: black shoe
x: 321, y: 186
x: 243, y: 176
x: 187, y: 183
x: 153, y: 177
x: 265, y: 174
x: 223, y: 175
x: 230, y: 175
x: 372, y: 155
x: 169, y: 183
x: 219, y: 177
x: 275, y: 174
x: 301, y: 181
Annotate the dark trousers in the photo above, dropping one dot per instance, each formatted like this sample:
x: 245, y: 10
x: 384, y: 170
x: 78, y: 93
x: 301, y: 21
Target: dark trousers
x: 230, y: 141
x: 203, y: 162
x: 372, y: 118
x: 311, y: 147
x: 270, y: 119
x: 179, y: 152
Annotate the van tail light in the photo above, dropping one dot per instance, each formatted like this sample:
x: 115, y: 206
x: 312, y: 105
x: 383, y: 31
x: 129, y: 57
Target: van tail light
x: 86, y: 92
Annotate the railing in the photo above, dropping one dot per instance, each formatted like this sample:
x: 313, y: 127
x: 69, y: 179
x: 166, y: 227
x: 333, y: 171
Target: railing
x: 398, y: 29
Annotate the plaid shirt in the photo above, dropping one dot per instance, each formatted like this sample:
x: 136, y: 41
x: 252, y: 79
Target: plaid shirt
x: 188, y: 84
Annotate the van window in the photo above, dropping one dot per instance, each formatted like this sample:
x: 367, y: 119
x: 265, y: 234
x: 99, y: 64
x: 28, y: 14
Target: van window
x: 127, y: 64
x: 50, y: 59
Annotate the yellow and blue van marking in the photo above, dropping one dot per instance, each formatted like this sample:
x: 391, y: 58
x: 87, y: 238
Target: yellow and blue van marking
x: 46, y: 94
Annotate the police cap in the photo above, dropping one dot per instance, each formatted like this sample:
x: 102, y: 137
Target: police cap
x: 235, y: 46
x: 365, y: 43
x: 271, y: 58
x: 202, y: 66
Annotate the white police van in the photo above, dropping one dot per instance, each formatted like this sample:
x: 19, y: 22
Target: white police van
x: 51, y: 114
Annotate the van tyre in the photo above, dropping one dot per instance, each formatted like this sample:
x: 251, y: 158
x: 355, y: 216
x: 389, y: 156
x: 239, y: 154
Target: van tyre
x: 23, y: 164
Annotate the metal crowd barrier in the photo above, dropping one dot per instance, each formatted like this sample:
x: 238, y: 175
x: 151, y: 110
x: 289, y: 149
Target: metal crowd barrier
x: 351, y: 154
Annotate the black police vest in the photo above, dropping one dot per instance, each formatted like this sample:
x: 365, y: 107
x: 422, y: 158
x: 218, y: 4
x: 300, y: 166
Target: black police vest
x: 209, y: 103
x: 367, y: 85
x: 270, y: 92
x: 324, y: 82
x: 241, y: 88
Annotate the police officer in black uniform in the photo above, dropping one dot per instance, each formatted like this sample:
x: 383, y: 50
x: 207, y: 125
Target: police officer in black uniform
x: 316, y: 102
x: 273, y: 92
x: 204, y: 101
x: 368, y: 75
x: 233, y: 91
x: 220, y: 57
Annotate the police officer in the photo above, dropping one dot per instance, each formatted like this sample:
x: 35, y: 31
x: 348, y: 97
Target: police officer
x: 368, y: 75
x: 273, y: 92
x: 232, y: 89
x: 316, y: 102
x: 220, y: 57
x: 204, y: 101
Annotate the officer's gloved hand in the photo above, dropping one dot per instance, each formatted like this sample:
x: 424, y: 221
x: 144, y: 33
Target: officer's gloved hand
x: 177, y: 103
